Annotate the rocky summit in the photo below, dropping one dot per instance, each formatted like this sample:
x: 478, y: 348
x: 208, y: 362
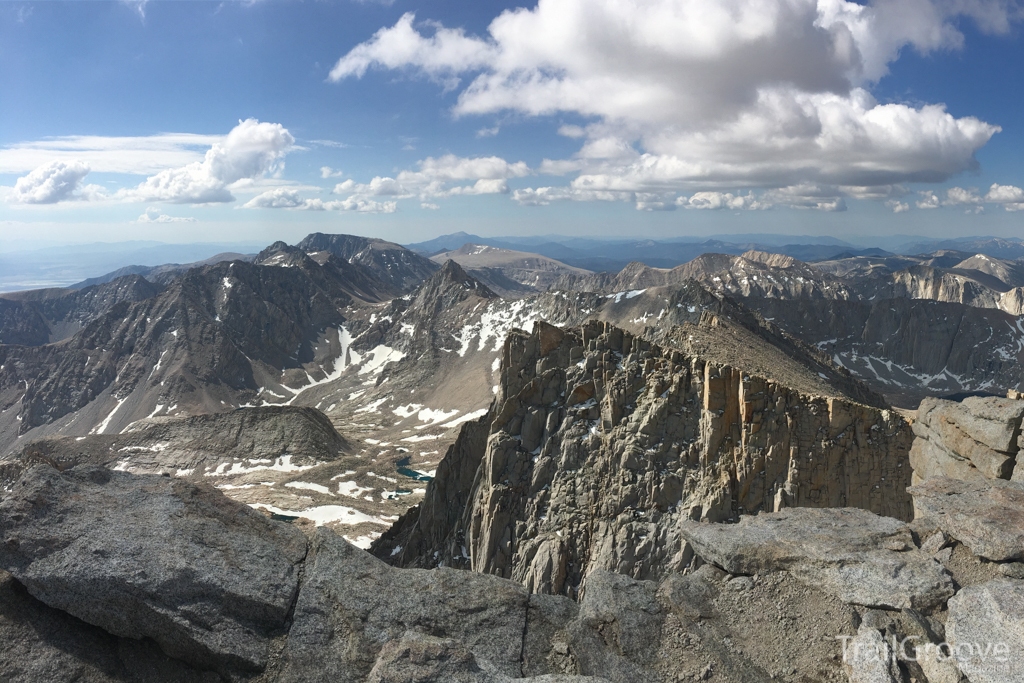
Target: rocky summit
x: 343, y: 460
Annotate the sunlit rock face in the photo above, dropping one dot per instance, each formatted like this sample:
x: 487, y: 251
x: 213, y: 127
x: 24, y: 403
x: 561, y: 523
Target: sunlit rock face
x: 600, y: 442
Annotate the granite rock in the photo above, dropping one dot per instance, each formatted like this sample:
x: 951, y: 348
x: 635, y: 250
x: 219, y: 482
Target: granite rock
x: 210, y: 580
x: 860, y: 557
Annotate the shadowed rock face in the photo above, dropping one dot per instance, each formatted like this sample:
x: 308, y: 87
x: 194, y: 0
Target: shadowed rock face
x: 41, y: 643
x: 211, y: 581
x: 335, y: 613
x: 600, y: 442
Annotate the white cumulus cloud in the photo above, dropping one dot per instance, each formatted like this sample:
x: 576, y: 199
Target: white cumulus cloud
x: 699, y: 94
x: 957, y: 195
x: 286, y: 198
x: 928, y: 200
x: 251, y: 150
x: 434, y: 178
x: 54, y: 182
x: 1009, y: 196
x: 721, y: 200
x: 446, y: 52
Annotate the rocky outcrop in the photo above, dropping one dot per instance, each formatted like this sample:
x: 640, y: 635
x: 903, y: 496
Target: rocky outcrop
x: 196, y: 445
x: 211, y: 581
x: 256, y: 605
x: 986, y: 631
x: 45, y: 644
x: 601, y: 442
x: 480, y: 619
x: 986, y: 516
x: 860, y: 557
x: 976, y: 439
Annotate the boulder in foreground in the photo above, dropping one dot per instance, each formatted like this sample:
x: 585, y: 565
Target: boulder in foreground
x: 986, y: 631
x: 860, y: 557
x: 987, y: 516
x: 976, y: 439
x: 209, y: 579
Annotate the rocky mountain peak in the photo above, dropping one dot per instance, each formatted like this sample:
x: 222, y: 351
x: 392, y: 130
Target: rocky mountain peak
x: 773, y: 260
x: 448, y: 286
x: 279, y: 253
x: 399, y: 267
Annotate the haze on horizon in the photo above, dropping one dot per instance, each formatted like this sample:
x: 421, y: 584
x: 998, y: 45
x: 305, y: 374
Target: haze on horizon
x: 248, y: 122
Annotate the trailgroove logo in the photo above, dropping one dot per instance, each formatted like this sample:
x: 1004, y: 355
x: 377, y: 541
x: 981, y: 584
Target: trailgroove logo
x: 909, y: 649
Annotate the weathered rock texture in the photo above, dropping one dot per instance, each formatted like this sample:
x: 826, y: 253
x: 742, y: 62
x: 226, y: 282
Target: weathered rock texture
x: 868, y: 658
x: 377, y: 604
x: 210, y: 580
x: 860, y: 557
x: 354, y: 618
x: 986, y: 516
x: 986, y: 630
x: 600, y: 442
x: 973, y: 440
x: 45, y: 644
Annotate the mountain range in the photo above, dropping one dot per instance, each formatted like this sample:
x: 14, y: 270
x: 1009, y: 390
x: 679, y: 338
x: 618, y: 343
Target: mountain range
x: 499, y: 411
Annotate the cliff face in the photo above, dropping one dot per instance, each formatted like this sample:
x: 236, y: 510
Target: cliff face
x: 600, y: 442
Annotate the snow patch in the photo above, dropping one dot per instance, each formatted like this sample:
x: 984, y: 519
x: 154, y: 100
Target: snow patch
x: 102, y: 427
x: 325, y: 514
x: 309, y: 487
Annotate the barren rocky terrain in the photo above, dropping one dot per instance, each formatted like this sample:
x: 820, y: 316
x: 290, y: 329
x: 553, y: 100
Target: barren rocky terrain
x: 687, y: 474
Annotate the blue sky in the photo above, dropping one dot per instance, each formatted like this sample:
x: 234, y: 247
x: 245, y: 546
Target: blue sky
x: 254, y: 121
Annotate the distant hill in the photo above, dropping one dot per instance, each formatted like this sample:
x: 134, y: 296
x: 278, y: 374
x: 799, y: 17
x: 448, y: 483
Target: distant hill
x: 613, y: 255
x: 155, y: 272
x: 997, y: 247
x: 63, y: 266
x: 509, y: 272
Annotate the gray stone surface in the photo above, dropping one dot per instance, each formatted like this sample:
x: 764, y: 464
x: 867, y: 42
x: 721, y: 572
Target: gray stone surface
x: 986, y: 630
x: 994, y: 421
x: 868, y: 658
x: 40, y: 643
x: 860, y: 557
x: 209, y: 579
x: 601, y: 441
x: 351, y: 604
x: 987, y: 516
x: 964, y: 440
